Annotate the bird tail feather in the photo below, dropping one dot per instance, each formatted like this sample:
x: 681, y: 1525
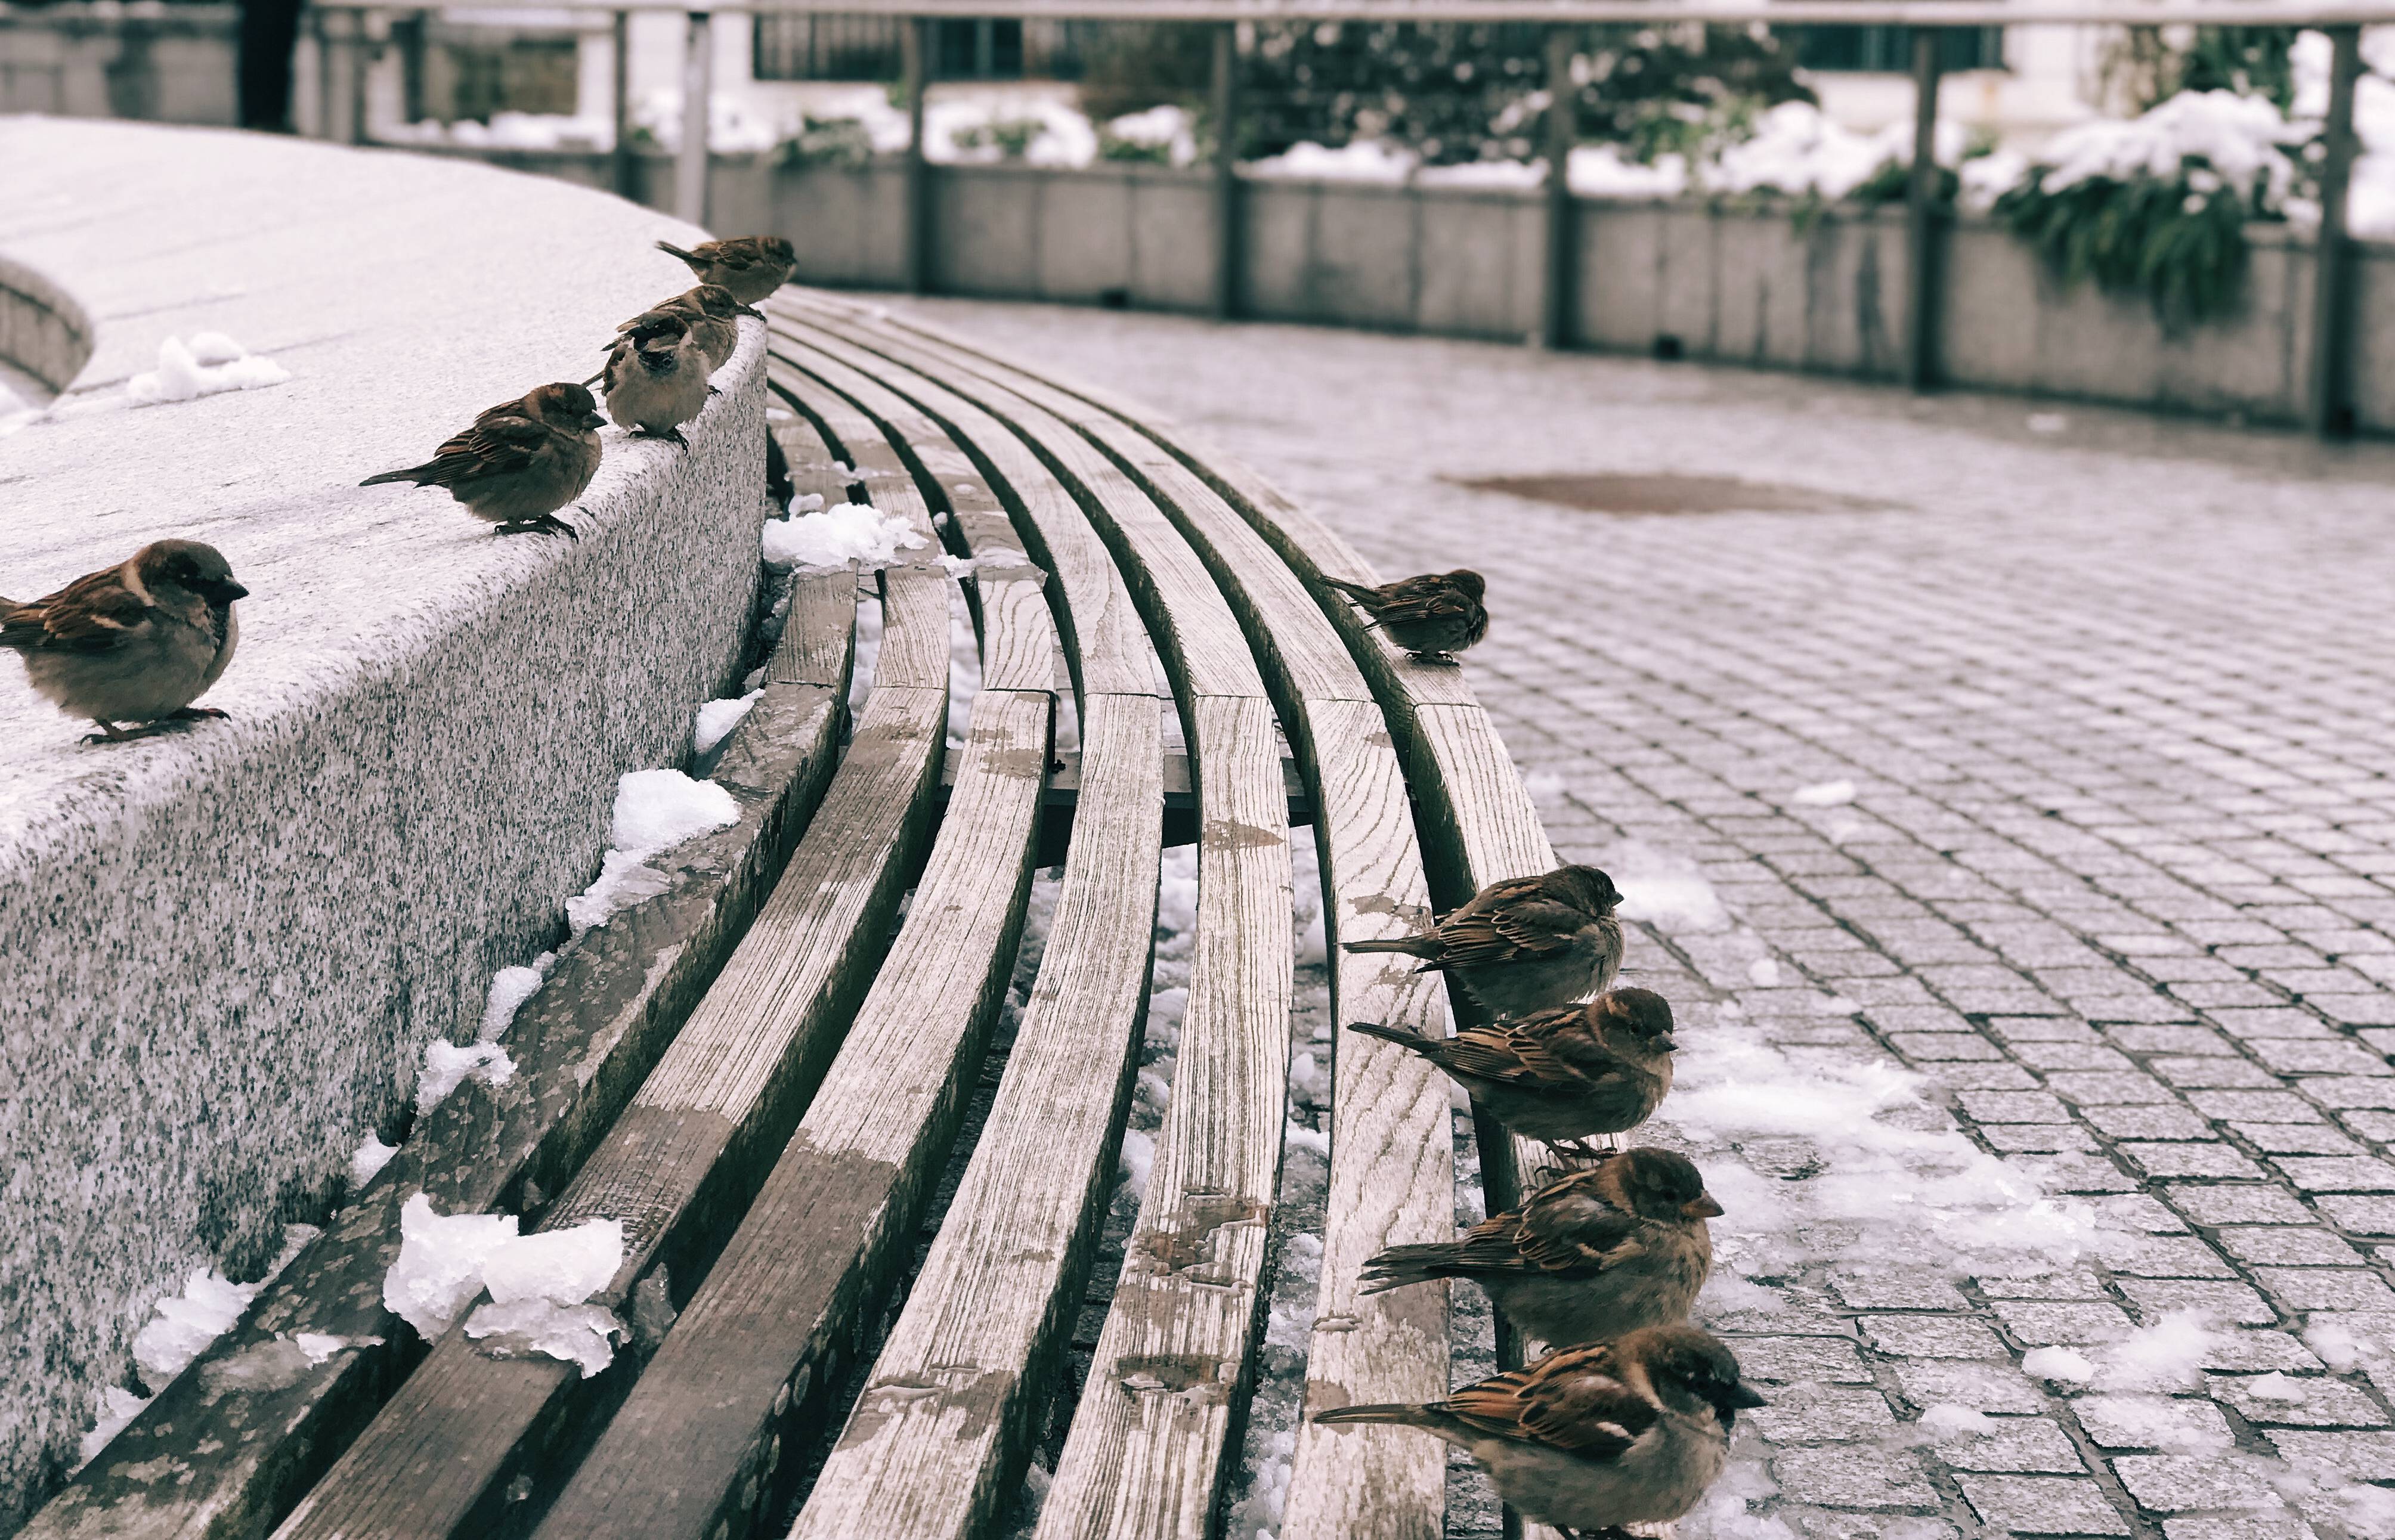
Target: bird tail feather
x: 1396, y: 1411
x: 1353, y: 590
x: 1402, y: 943
x: 672, y: 250
x: 1405, y: 1035
x: 1399, y: 1265
x: 410, y: 474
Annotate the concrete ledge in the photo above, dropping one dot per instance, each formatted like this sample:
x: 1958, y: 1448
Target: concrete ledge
x: 227, y: 947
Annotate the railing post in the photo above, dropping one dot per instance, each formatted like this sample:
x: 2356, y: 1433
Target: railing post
x: 697, y: 88
x: 915, y: 54
x: 2329, y: 408
x: 1229, y: 239
x: 1563, y: 253
x: 1921, y: 218
x: 622, y: 69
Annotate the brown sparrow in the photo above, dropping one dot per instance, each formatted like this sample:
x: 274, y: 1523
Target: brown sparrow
x: 1590, y: 1438
x: 1589, y: 1257
x: 1525, y: 943
x: 710, y: 310
x: 137, y: 642
x: 1563, y: 1074
x: 520, y: 463
x: 655, y: 379
x: 747, y: 267
x: 1429, y: 616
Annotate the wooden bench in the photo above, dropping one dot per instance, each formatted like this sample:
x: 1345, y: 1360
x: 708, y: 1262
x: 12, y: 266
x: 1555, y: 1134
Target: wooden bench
x: 763, y: 1081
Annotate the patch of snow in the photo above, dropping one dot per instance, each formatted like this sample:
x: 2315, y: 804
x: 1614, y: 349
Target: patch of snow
x: 510, y: 987
x: 209, y: 364
x: 656, y: 811
x: 2274, y: 1386
x: 447, y: 1066
x: 976, y: 130
x: 1358, y: 161
x: 849, y: 532
x: 440, y: 1266
x: 1764, y: 973
x: 1601, y: 171
x: 367, y: 1161
x: 1510, y: 175
x: 539, y: 1283
x: 2166, y: 1355
x: 1167, y: 127
x: 581, y: 1335
x: 1829, y: 793
x: 2060, y: 1363
x: 118, y: 1407
x: 1664, y: 890
x: 1947, y: 1420
x: 716, y: 719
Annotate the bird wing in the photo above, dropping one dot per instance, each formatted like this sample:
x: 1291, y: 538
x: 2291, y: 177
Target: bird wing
x: 94, y: 613
x: 500, y: 441
x: 1569, y: 1400
x: 1422, y: 598
x: 1509, y: 932
x: 1568, y: 1226
x: 1504, y: 1053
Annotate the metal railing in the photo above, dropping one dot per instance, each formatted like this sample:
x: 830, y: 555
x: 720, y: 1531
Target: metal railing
x: 339, y: 27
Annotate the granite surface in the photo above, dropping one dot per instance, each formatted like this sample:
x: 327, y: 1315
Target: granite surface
x: 227, y: 947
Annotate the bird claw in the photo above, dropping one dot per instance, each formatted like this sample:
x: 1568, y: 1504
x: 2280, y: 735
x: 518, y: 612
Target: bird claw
x: 197, y: 712
x: 546, y: 524
x: 1435, y: 660
x: 1579, y: 1148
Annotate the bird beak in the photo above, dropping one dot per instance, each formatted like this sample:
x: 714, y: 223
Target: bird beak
x: 231, y: 591
x: 592, y: 419
x: 1663, y: 1043
x: 1701, y: 1207
x: 1743, y: 1397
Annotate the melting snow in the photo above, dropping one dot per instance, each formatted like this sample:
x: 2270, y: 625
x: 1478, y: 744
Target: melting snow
x: 838, y: 536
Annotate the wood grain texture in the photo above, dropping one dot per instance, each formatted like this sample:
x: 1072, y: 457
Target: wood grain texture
x: 937, y: 1441
x: 686, y: 1155
x: 225, y: 1455
x: 1144, y: 1458
x: 1107, y: 647
x: 690, y: 1454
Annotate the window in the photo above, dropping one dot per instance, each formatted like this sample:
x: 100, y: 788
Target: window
x: 826, y: 47
x: 1890, y: 49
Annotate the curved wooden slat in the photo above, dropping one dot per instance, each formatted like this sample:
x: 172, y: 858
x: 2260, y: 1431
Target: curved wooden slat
x: 691, y: 1150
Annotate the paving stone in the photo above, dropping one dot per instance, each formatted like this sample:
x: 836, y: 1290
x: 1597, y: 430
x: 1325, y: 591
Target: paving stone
x: 2363, y: 1456
x: 2164, y: 1039
x: 2173, y: 1484
x: 1995, y: 1389
x: 2071, y: 1056
x: 2210, y: 1073
x: 2289, y: 1245
x: 1823, y: 1413
x: 2237, y: 1206
x: 2296, y: 1139
x: 2360, y: 1216
x: 2013, y: 1106
x: 1817, y: 1524
x: 2253, y: 1106
x: 1792, y: 1360
x: 2285, y: 1021
x: 2375, y: 1125
x: 2338, y: 1174
x: 1917, y: 1019
x: 2098, y: 1089
x: 1931, y: 1336
x: 2191, y: 1160
x: 2377, y: 1093
x: 2327, y: 1288
x: 2064, y: 1283
x: 1901, y: 1291
x: 2139, y: 1211
x: 2015, y: 1137
x: 2251, y: 1525
x: 2184, y: 1423
x: 2018, y: 1030
x: 1866, y: 1478
x: 2070, y: 1172
x: 2317, y: 1401
x: 2316, y: 1057
x: 2150, y: 1122
x: 2036, y: 1504
x: 1934, y: 1046
x: 2027, y: 1445
x: 2257, y: 1351
x: 1984, y: 1077
x: 2222, y: 1301
x: 2038, y: 1324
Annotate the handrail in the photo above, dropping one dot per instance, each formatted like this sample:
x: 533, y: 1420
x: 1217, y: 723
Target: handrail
x: 1901, y: 13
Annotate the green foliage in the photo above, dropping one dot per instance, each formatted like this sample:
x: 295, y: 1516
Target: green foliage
x: 826, y: 141
x: 1012, y: 136
x: 1114, y: 147
x: 1130, y: 66
x: 2143, y: 66
x: 1454, y: 92
x: 2179, y: 240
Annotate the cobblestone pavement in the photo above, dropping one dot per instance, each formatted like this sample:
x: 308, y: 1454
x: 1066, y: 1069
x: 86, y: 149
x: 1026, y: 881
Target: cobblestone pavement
x: 2118, y: 876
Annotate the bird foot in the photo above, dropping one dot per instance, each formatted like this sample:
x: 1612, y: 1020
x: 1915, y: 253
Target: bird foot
x: 1579, y: 1148
x: 673, y: 434
x: 111, y: 733
x: 1435, y: 660
x: 195, y: 713
x: 546, y: 524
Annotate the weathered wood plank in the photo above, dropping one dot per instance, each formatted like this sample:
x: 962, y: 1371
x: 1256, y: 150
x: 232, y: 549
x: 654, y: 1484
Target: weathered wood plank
x: 751, y: 1362
x: 937, y: 1441
x: 225, y: 1454
x: 1144, y: 1458
x: 1104, y: 642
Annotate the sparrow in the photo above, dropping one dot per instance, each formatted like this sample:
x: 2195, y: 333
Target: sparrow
x: 137, y: 642
x: 1525, y: 943
x: 748, y: 267
x: 1557, y: 1075
x: 1591, y: 1255
x: 1591, y: 1438
x: 1431, y: 615
x: 520, y: 463
x: 709, y: 308
x: 656, y: 381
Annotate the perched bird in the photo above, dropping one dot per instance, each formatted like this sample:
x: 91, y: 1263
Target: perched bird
x: 1429, y: 616
x: 748, y: 267
x: 1591, y: 1255
x: 137, y: 642
x: 1525, y: 943
x: 520, y: 463
x: 709, y: 308
x: 656, y: 379
x: 1630, y: 1431
x: 1557, y: 1075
